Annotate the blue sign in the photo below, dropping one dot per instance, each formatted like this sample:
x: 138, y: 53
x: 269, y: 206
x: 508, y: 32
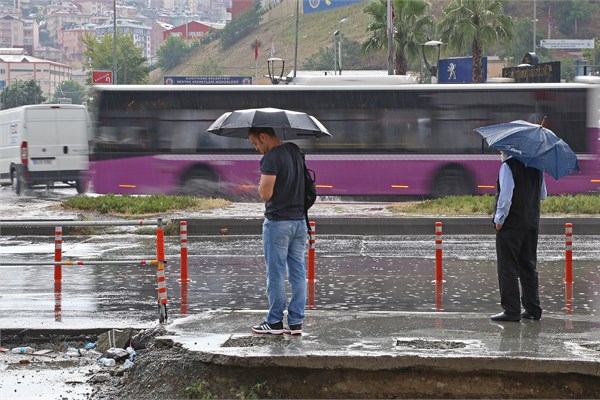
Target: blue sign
x: 2, y: 84
x: 458, y: 70
x: 311, y: 6
x: 207, y: 80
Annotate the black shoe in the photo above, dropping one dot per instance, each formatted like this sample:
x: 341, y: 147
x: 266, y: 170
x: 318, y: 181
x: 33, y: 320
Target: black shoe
x: 293, y: 330
x: 505, y: 317
x: 526, y: 315
x: 272, y: 329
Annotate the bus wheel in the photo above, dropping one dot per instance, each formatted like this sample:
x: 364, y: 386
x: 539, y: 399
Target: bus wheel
x: 16, y: 182
x: 452, y: 181
x: 82, y: 186
x: 200, y: 182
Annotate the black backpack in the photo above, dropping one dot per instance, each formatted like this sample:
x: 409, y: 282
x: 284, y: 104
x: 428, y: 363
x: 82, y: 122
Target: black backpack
x: 310, y: 188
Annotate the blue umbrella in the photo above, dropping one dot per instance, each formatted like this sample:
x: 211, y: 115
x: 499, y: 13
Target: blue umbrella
x: 533, y: 145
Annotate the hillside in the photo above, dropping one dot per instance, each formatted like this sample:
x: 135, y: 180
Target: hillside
x: 315, y: 32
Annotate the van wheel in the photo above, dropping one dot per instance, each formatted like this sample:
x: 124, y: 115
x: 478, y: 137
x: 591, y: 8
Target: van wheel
x: 200, y: 182
x: 16, y: 182
x: 452, y: 180
x: 82, y: 186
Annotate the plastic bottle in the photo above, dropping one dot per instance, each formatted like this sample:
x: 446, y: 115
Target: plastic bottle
x: 107, y: 362
x: 132, y: 354
x: 23, y: 350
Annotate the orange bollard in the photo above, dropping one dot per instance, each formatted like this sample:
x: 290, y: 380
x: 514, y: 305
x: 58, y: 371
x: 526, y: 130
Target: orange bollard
x: 439, y: 276
x: 58, y: 253
x: 160, y: 272
x: 311, y: 252
x: 183, y: 260
x: 569, y: 253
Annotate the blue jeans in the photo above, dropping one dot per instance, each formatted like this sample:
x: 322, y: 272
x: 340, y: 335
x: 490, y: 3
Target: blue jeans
x: 284, y: 243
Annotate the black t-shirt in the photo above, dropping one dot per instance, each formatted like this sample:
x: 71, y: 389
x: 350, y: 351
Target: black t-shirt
x: 285, y: 162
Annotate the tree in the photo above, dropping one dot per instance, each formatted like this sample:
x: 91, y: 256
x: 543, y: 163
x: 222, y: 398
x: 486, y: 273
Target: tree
x: 131, y: 64
x: 411, y: 26
x: 72, y: 90
x: 241, y: 27
x: 473, y: 25
x: 21, y: 93
x: 514, y: 50
x: 593, y: 57
x: 172, y: 52
x: 571, y: 13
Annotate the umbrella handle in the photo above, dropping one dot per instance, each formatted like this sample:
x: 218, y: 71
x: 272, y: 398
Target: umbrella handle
x: 543, y: 120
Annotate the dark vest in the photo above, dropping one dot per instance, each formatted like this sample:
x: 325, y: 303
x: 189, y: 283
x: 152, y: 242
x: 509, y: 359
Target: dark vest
x: 525, y: 208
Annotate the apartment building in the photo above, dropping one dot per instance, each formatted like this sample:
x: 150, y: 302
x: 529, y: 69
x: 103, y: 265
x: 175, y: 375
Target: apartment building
x: 142, y: 34
x: 57, y: 21
x: 72, y: 45
x: 15, y: 66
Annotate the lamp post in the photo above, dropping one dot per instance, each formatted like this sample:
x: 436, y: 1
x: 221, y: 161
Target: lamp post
x: 114, y: 42
x: 340, y: 44
x: 336, y: 34
x: 296, y: 45
x: 433, y: 69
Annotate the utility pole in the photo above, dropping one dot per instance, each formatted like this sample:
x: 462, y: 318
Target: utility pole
x: 114, y: 42
x: 390, y: 34
x: 534, y: 23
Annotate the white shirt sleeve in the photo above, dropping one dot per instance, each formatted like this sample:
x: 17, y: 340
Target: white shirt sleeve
x: 507, y: 185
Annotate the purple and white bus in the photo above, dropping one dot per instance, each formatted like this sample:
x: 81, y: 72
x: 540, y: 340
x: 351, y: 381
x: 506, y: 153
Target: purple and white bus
x: 387, y: 140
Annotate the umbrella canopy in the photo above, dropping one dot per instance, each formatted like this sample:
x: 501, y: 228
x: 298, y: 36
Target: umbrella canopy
x: 288, y: 124
x: 533, y: 145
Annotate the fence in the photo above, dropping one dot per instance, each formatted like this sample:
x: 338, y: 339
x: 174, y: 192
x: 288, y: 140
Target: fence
x: 58, y: 262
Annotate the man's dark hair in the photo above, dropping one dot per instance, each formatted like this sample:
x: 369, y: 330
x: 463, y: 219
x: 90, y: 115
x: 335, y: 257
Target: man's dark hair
x: 258, y: 131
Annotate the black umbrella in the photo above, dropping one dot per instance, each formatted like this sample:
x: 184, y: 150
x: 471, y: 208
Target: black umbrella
x: 286, y: 123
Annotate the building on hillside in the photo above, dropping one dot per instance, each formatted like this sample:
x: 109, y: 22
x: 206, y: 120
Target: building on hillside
x: 158, y: 38
x: 49, y: 53
x: 72, y: 45
x: 141, y: 34
x: 190, y: 31
x: 96, y: 7
x: 57, y: 21
x: 66, y: 7
x: 20, y: 67
x: 17, y: 32
x: 239, y: 6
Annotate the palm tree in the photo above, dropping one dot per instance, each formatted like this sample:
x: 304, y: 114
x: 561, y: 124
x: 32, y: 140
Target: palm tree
x: 475, y: 24
x: 411, y: 23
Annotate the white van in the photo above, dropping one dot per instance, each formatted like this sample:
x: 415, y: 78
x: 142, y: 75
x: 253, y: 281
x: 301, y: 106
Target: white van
x: 44, y: 144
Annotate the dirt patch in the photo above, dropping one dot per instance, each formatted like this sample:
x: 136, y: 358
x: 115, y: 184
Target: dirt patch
x: 165, y: 370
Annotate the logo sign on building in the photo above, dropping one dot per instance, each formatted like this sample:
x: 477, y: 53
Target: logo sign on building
x: 102, y: 77
x: 311, y: 6
x: 567, y: 44
x: 458, y: 70
x: 208, y: 80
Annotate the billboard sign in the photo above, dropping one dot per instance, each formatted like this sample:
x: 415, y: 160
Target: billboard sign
x: 311, y: 6
x: 567, y: 44
x: 102, y: 77
x: 458, y: 70
x: 207, y: 80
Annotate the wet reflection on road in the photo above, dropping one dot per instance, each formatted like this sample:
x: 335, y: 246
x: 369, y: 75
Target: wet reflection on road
x: 375, y: 273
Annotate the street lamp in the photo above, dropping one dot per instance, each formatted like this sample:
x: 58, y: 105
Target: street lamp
x: 336, y: 34
x: 340, y: 43
x: 433, y: 69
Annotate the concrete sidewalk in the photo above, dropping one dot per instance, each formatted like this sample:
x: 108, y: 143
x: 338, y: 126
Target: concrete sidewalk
x: 558, y: 357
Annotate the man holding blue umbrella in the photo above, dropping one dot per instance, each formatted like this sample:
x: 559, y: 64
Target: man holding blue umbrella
x: 528, y: 150
x: 519, y: 190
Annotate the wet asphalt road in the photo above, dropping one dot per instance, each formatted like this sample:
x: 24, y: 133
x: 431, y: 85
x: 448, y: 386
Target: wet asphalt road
x: 372, y: 273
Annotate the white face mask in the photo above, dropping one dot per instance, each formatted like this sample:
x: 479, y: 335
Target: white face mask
x: 503, y: 156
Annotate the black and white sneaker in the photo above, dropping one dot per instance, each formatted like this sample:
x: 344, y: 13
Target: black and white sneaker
x: 272, y: 329
x: 293, y: 329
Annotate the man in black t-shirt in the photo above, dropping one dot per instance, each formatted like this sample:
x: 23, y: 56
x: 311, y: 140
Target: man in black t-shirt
x: 281, y: 186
